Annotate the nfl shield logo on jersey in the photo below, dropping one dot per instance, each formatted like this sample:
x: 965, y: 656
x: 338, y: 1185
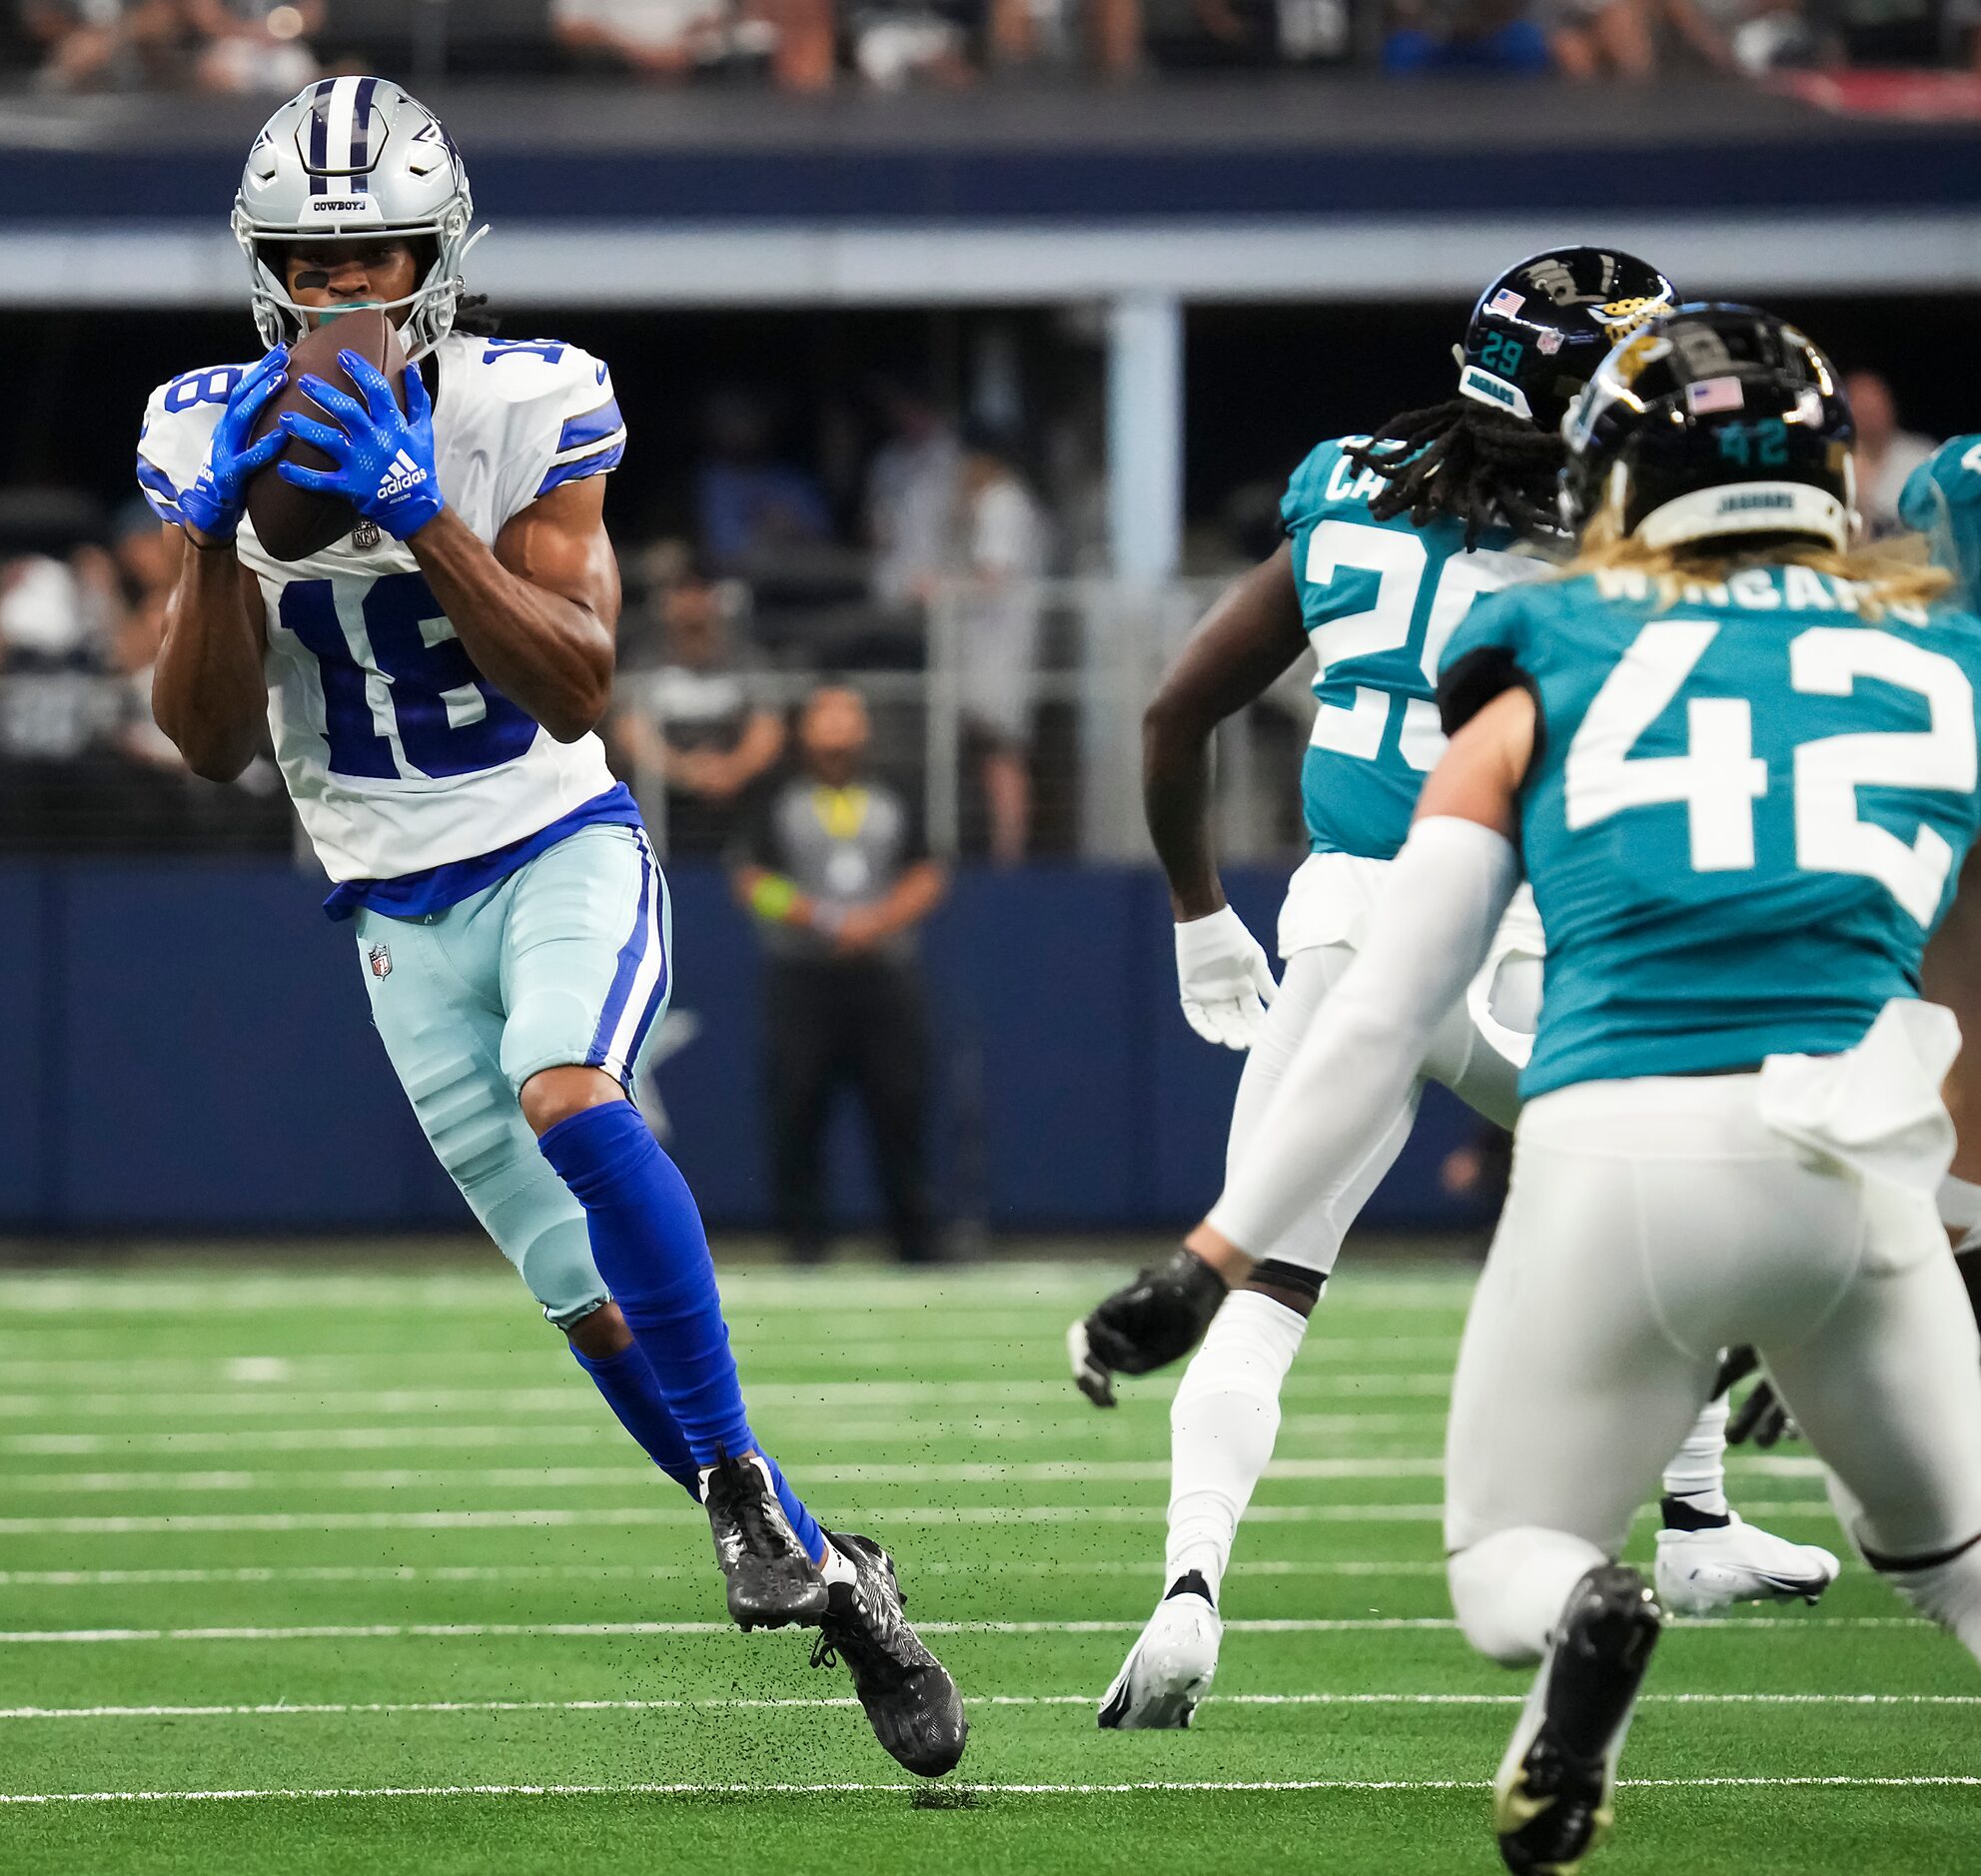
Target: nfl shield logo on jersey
x: 381, y: 957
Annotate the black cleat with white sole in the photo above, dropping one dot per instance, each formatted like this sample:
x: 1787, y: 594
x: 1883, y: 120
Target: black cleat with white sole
x: 1553, y: 1801
x: 910, y: 1701
x: 771, y: 1582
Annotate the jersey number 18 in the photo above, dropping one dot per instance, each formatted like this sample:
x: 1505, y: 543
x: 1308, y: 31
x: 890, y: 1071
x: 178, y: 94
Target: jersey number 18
x: 420, y: 686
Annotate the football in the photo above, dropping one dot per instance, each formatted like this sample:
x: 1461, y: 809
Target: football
x: 291, y: 524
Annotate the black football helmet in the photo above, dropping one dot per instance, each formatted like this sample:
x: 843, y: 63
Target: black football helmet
x: 1540, y: 330
x: 1714, y: 421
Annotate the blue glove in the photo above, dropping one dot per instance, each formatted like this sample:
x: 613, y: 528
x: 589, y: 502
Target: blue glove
x: 384, y: 456
x: 215, y: 500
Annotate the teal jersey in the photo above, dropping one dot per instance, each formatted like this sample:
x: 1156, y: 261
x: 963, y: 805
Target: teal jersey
x: 1379, y: 600
x: 1745, y: 814
x: 1942, y: 500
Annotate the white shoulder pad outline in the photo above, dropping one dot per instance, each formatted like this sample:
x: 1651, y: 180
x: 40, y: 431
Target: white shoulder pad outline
x: 180, y: 418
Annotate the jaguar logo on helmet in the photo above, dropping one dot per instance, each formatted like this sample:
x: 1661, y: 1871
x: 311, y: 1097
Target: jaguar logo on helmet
x: 1715, y: 423
x: 346, y: 147
x: 1545, y: 325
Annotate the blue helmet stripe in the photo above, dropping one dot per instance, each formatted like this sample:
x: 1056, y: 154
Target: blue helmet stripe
x: 360, y: 132
x: 320, y: 136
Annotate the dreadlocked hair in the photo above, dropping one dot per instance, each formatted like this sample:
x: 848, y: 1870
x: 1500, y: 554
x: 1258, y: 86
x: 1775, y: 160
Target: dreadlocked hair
x: 472, y: 316
x: 1481, y: 467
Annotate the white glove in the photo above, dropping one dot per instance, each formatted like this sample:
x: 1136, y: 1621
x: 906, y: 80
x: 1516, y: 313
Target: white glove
x: 1224, y: 978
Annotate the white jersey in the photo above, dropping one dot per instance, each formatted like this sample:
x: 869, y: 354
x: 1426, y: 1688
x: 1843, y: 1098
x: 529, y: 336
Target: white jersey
x: 398, y: 754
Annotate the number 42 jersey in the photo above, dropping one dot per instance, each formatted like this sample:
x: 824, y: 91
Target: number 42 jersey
x: 399, y: 755
x: 1745, y: 814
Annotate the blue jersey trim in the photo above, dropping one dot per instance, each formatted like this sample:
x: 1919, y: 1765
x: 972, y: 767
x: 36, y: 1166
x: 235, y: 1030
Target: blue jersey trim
x: 158, y: 491
x: 418, y: 895
x: 584, y: 467
x: 593, y: 427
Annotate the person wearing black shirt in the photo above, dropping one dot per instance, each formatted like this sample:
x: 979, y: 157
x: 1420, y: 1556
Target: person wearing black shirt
x: 837, y: 872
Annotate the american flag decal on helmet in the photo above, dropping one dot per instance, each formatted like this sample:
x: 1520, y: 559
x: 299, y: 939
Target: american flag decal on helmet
x: 1714, y: 394
x: 1506, y: 301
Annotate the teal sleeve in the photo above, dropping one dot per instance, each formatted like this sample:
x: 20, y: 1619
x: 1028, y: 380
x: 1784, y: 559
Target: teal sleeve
x: 1942, y: 501
x: 1307, y: 487
x: 1486, y: 656
x: 1496, y: 620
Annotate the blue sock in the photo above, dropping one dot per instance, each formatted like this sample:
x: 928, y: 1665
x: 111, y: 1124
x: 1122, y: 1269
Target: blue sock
x: 627, y: 1382
x: 648, y: 1245
x: 804, y: 1526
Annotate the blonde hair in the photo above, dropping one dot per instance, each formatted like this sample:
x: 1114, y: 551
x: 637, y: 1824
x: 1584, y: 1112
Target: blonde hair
x: 1884, y: 578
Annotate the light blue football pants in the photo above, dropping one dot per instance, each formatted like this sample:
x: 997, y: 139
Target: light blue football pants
x: 565, y: 963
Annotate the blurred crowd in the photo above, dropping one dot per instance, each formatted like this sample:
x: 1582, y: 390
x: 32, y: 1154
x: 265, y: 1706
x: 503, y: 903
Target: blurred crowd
x: 937, y: 572
x: 82, y: 765
x: 276, y: 46
x: 741, y: 593
x: 772, y: 579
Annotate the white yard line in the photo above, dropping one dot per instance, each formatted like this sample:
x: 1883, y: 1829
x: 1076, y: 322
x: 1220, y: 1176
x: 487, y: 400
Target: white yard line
x: 630, y: 1573
x: 259, y: 1402
x: 599, y: 1428
x: 522, y: 1478
x: 729, y: 1703
x: 585, y: 1517
x: 448, y: 1631
x: 985, y: 1347
x: 1012, y: 1288
x: 991, y: 1791
x: 815, y: 1476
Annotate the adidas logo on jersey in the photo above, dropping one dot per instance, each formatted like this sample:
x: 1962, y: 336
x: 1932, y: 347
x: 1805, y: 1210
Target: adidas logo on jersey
x: 405, y: 474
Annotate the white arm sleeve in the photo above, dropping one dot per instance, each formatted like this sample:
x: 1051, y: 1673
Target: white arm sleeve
x: 1427, y: 937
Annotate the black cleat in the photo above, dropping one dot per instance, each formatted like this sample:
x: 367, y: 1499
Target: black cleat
x: 1145, y: 1325
x: 1553, y: 1801
x: 910, y: 1701
x: 772, y: 1582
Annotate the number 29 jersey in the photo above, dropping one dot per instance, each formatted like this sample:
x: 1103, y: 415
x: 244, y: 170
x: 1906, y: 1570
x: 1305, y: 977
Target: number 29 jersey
x: 398, y: 754
x: 1379, y: 600
x: 1745, y: 814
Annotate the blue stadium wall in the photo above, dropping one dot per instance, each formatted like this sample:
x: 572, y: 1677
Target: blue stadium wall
x: 186, y: 1050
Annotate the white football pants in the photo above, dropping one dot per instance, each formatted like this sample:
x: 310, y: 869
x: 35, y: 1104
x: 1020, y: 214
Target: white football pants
x: 1226, y: 1414
x: 1652, y: 1223
x: 1462, y: 1057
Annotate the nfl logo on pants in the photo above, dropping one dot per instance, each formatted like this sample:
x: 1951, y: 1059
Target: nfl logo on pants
x: 381, y: 957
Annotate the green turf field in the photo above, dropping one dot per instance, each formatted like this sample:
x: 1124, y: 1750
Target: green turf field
x: 363, y: 1558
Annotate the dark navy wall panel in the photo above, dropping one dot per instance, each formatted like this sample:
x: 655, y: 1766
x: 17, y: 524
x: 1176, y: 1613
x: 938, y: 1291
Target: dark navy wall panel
x: 1037, y: 989
x: 1041, y: 970
x: 197, y: 1044
x: 218, y: 1065
x: 28, y: 1018
x: 708, y: 1074
x: 1069, y: 181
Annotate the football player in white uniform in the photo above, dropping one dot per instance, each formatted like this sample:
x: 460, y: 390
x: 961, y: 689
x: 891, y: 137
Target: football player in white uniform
x: 432, y: 683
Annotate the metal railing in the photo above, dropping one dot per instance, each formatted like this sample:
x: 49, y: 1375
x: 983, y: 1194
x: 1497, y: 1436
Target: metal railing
x: 79, y: 769
x: 1102, y: 646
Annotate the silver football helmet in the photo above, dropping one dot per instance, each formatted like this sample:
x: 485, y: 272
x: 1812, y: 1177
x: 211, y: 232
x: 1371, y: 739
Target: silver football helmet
x: 351, y: 157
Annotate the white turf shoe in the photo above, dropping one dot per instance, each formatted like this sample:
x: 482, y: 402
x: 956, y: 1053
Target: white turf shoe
x: 1170, y: 1667
x: 1700, y: 1572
